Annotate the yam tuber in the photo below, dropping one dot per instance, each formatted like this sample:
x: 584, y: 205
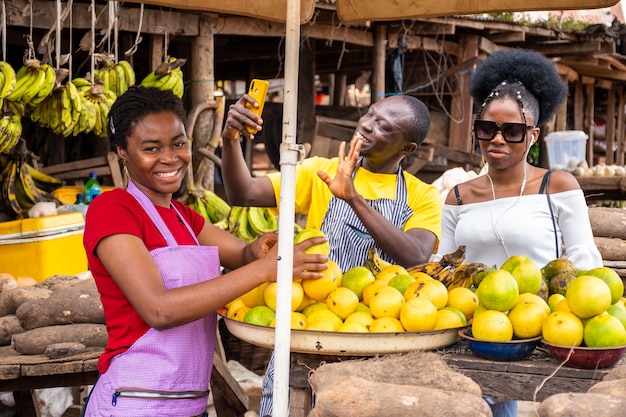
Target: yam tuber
x: 35, y: 342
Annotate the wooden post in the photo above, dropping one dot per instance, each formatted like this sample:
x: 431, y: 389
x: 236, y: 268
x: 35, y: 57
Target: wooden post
x: 202, y: 87
x: 461, y: 111
x: 378, y: 76
x: 590, y: 90
x: 610, y: 125
x: 341, y: 85
x: 619, y: 133
x: 579, y: 106
x: 306, y: 93
x: 156, y: 54
x: 560, y: 122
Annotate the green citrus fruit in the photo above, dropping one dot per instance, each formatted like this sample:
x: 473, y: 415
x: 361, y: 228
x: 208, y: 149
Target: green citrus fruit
x: 356, y: 279
x: 498, y: 291
x: 604, y: 330
x: 588, y: 296
x: 526, y: 273
x: 612, y: 279
x: 261, y: 315
x: 401, y: 282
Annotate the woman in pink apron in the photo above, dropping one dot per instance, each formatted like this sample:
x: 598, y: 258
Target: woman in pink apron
x: 157, y: 266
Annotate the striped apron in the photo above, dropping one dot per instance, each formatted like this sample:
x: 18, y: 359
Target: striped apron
x: 349, y: 239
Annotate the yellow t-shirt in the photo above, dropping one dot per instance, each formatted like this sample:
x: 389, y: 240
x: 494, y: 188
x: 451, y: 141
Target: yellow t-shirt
x: 312, y: 194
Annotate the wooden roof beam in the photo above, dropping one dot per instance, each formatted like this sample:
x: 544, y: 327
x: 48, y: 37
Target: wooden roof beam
x: 567, y: 48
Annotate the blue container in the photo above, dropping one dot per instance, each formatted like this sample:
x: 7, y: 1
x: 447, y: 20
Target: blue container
x: 513, y: 350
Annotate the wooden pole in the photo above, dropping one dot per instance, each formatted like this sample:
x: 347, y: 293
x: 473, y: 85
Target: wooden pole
x: 378, y: 76
x: 200, y: 88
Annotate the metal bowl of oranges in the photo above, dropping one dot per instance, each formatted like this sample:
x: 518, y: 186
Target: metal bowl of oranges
x: 508, y: 351
x: 582, y: 357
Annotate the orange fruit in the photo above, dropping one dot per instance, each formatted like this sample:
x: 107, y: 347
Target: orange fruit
x: 330, y: 319
x: 314, y: 307
x: 535, y: 299
x: 554, y: 300
x: 362, y: 317
x: 418, y: 315
x: 304, y: 234
x: 618, y: 311
x: 352, y: 327
x: 527, y: 319
x: 342, y: 302
x: 492, y: 325
x: 386, y: 325
x: 370, y: 290
x: 298, y: 320
x: 297, y: 295
x: 386, y: 302
x: 463, y: 299
x: 588, y: 296
x: 563, y: 328
x: 255, y: 297
x: 387, y: 273
x: 498, y: 291
x: 318, y: 289
x: 431, y: 289
x: 449, y: 319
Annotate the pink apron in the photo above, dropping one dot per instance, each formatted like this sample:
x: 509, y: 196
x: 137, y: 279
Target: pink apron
x: 165, y: 373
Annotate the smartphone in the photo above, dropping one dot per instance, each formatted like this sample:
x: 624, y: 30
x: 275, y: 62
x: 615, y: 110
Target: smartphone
x: 258, y: 91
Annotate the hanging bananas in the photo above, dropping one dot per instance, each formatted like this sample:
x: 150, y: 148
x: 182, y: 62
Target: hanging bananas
x: 116, y: 77
x: 10, y: 125
x: 23, y: 186
x: 167, y: 76
x: 7, y: 79
x: 60, y: 111
x: 95, y: 104
x: 34, y: 82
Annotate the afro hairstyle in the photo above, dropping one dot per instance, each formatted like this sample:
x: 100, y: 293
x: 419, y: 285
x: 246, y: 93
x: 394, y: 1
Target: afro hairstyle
x: 537, y: 74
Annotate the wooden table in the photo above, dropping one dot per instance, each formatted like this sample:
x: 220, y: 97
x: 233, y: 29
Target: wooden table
x: 603, y: 188
x: 22, y: 374
x: 500, y: 380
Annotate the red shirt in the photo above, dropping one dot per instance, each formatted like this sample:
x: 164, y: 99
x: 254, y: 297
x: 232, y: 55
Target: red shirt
x: 117, y: 212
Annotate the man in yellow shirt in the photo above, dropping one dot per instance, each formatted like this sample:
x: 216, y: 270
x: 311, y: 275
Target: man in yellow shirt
x: 360, y: 200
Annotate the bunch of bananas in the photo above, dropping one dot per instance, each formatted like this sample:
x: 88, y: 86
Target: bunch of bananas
x: 96, y: 102
x: 23, y: 186
x: 34, y: 82
x: 247, y: 223
x: 60, y: 111
x: 7, y: 79
x: 116, y: 77
x: 167, y: 76
x: 450, y: 269
x: 10, y: 124
x: 210, y: 205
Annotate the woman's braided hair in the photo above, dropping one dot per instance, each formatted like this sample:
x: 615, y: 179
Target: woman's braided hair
x: 135, y: 104
x: 524, y: 75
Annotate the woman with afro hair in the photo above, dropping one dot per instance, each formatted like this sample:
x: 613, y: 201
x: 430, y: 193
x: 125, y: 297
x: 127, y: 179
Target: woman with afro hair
x: 517, y: 208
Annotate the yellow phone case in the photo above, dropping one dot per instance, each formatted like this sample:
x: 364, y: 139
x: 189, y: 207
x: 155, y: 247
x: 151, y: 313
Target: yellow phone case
x: 258, y: 91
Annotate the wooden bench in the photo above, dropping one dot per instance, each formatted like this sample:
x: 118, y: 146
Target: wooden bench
x: 107, y: 168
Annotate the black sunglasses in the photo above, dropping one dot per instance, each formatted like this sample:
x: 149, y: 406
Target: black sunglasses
x: 511, y: 132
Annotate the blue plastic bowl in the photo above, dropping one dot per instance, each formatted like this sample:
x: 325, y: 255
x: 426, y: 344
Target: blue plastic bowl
x: 513, y: 350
